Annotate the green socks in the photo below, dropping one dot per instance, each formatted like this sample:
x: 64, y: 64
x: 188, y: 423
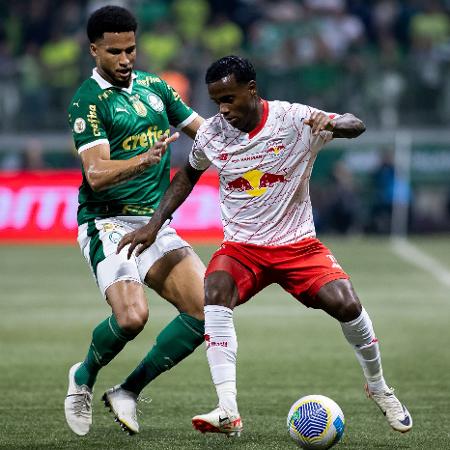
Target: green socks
x: 108, y: 339
x: 176, y: 341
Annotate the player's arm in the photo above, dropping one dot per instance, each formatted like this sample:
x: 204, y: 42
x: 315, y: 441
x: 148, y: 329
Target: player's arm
x: 192, y: 128
x: 344, y: 126
x: 103, y: 172
x: 179, y: 189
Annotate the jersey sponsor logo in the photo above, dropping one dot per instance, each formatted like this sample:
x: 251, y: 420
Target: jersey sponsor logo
x: 138, y: 106
x: 77, y: 103
x: 155, y: 102
x: 276, y: 147
x: 138, y: 210
x: 79, y: 125
x: 144, y: 140
x: 93, y: 120
x: 256, y: 182
x: 147, y: 81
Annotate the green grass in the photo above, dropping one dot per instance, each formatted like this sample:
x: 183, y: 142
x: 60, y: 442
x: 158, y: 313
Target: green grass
x: 49, y: 305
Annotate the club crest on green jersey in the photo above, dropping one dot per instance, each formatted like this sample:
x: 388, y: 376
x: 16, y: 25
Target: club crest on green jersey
x: 155, y: 102
x: 138, y: 106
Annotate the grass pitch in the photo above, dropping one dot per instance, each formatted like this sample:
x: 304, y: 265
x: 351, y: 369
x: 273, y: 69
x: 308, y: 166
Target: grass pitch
x: 49, y: 305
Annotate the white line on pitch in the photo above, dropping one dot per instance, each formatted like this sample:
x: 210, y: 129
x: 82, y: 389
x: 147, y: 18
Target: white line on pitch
x: 413, y: 255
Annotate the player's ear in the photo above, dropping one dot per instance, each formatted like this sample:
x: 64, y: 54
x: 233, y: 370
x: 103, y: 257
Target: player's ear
x: 93, y: 49
x: 252, y: 87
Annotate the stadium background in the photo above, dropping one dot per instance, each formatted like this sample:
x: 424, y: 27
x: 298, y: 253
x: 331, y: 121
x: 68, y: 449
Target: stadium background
x: 382, y: 203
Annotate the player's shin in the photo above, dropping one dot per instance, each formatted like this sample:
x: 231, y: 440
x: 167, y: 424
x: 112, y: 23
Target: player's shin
x: 108, y: 339
x: 175, y: 342
x: 221, y: 351
x: 360, y: 334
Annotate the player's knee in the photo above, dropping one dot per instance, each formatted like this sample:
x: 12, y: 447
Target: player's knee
x: 133, y: 321
x: 220, y: 289
x: 349, y: 307
x: 195, y: 309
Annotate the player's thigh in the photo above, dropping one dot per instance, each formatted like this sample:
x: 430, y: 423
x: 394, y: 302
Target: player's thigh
x: 178, y: 277
x: 98, y: 241
x: 229, y: 283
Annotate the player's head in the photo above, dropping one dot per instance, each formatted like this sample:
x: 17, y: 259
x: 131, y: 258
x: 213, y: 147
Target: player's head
x: 231, y: 84
x: 112, y: 33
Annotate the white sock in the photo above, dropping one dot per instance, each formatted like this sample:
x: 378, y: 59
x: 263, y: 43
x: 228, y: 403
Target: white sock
x: 360, y: 334
x: 221, y: 350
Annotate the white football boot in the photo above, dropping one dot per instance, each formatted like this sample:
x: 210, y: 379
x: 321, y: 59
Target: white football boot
x: 78, y: 405
x: 122, y: 404
x: 396, y: 413
x: 219, y: 421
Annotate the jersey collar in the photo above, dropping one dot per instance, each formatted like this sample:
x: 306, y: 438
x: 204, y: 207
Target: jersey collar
x: 261, y: 124
x: 106, y: 84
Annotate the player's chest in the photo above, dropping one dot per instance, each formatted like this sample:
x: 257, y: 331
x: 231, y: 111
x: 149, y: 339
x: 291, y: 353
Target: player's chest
x: 281, y: 149
x: 128, y: 111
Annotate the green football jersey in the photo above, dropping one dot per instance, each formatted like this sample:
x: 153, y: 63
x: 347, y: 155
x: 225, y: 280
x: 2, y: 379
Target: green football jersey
x: 131, y: 120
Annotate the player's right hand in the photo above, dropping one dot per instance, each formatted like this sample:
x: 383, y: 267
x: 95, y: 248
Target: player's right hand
x: 144, y: 237
x: 155, y: 153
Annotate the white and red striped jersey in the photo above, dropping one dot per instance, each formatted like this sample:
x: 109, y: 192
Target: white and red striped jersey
x: 264, y: 175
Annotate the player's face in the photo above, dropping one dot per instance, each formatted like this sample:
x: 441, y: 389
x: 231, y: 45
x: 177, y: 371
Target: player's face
x: 114, y: 55
x: 237, y: 102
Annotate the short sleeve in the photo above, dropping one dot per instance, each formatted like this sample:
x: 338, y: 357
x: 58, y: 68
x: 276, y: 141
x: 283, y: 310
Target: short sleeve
x: 324, y: 136
x: 197, y: 157
x: 87, y: 124
x: 180, y: 115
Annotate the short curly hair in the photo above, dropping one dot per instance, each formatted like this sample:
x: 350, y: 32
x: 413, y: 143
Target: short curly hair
x: 241, y: 68
x: 110, y: 19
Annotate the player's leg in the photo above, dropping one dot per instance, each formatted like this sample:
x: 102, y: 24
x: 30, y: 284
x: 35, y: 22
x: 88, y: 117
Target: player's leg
x: 339, y: 300
x: 174, y: 271
x: 177, y: 277
x: 227, y: 283
x: 118, y: 280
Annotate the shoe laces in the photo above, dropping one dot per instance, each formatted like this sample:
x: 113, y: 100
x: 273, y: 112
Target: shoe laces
x: 83, y: 403
x: 389, y: 402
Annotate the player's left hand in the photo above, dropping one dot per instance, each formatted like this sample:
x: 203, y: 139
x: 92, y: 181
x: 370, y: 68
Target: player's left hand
x: 144, y: 237
x: 319, y: 121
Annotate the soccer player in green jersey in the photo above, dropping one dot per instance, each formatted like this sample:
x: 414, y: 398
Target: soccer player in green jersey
x: 120, y: 120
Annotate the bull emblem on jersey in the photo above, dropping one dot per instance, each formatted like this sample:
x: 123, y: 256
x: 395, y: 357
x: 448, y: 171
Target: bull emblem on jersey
x: 256, y: 182
x: 276, y: 147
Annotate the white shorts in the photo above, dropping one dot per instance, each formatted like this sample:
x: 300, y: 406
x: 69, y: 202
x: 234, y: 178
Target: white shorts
x: 98, y: 241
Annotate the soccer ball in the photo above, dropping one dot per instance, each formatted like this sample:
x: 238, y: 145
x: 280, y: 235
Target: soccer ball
x: 315, y: 422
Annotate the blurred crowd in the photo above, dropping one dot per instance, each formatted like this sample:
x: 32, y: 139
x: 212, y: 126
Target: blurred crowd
x: 385, y: 60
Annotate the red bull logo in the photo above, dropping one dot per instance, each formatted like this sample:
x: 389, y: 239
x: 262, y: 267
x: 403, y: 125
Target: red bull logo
x: 277, y: 148
x: 255, y: 182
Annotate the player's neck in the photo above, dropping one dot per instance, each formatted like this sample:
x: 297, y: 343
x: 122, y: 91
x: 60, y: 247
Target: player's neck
x: 257, y: 116
x: 113, y: 81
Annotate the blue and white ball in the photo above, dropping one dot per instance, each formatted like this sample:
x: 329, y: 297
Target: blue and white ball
x: 315, y: 422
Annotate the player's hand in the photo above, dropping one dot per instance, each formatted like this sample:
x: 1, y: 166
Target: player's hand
x: 144, y: 237
x: 319, y: 121
x: 154, y: 154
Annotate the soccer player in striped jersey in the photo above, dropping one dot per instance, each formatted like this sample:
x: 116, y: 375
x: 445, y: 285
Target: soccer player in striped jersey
x: 264, y: 152
x: 120, y: 119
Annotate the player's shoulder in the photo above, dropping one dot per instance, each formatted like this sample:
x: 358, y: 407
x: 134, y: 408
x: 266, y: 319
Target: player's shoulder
x: 89, y: 94
x: 212, y: 124
x: 210, y: 127
x: 286, y: 107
